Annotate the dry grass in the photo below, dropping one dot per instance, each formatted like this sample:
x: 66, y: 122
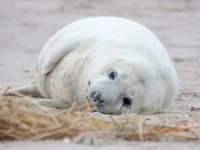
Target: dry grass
x: 21, y: 118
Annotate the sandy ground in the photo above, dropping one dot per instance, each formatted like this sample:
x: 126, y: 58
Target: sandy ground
x: 25, y: 26
x: 58, y: 145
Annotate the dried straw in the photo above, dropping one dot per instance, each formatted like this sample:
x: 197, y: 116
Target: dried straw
x: 22, y: 118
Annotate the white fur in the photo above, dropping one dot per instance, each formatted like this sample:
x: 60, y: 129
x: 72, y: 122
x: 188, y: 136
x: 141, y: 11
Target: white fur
x: 85, y: 51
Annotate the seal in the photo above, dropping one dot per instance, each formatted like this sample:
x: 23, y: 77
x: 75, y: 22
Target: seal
x: 115, y: 64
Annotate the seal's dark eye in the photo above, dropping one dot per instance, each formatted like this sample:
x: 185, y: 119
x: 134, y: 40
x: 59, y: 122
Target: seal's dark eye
x: 127, y: 102
x: 112, y: 75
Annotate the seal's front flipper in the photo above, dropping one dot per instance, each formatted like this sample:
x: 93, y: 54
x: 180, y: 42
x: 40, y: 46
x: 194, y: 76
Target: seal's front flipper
x: 30, y: 90
x: 53, y: 103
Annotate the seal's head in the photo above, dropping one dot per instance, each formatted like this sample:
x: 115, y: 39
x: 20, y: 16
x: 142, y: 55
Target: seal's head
x: 111, y: 89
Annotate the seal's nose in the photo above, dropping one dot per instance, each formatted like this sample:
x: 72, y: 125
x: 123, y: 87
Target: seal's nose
x: 102, y: 103
x: 97, y: 98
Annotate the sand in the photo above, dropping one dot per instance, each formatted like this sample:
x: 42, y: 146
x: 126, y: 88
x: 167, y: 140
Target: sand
x: 25, y: 26
x: 54, y: 145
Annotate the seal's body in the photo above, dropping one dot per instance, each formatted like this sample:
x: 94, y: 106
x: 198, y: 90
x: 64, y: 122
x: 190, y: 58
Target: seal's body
x: 116, y: 64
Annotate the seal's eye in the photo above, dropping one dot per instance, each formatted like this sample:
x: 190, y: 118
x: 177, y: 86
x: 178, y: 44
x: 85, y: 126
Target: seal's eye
x: 112, y: 75
x: 127, y: 102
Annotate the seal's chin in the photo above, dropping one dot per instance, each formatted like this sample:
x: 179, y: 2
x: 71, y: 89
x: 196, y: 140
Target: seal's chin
x: 106, y: 110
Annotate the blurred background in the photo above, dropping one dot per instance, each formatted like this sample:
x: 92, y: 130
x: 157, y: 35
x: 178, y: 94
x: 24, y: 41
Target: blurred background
x: 26, y: 25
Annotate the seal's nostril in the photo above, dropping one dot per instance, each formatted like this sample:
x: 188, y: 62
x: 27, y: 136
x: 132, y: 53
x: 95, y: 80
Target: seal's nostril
x: 95, y: 96
x: 101, y: 102
x: 127, y: 102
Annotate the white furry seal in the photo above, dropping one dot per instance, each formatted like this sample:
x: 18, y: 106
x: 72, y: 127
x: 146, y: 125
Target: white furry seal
x: 114, y: 63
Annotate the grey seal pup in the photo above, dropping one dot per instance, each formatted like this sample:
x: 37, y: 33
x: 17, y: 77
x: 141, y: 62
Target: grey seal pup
x: 115, y: 64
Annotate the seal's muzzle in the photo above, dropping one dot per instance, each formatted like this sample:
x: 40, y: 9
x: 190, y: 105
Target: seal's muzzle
x: 96, y: 97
